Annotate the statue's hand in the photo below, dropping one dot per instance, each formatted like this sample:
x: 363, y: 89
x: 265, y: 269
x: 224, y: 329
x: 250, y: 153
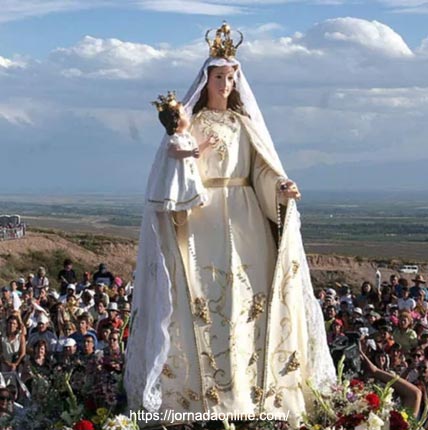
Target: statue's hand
x: 288, y: 189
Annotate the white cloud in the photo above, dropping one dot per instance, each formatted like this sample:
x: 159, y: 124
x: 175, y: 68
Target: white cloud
x: 346, y: 91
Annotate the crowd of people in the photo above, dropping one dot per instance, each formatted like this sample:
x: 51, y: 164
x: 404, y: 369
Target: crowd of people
x: 71, y: 330
x: 78, y: 327
x: 390, y: 323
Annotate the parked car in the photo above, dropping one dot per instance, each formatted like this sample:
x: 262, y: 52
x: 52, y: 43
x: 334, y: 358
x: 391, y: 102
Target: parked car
x: 409, y: 269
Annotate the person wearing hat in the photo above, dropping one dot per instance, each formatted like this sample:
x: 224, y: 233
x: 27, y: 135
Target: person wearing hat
x: 68, y: 358
x: 66, y: 276
x: 29, y: 283
x: 70, y: 291
x: 103, y: 275
x: 113, y: 318
x: 419, y: 285
x: 42, y: 332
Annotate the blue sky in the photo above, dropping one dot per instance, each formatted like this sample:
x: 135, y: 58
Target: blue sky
x: 342, y: 84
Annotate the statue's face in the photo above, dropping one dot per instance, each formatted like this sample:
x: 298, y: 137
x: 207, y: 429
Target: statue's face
x: 220, y: 83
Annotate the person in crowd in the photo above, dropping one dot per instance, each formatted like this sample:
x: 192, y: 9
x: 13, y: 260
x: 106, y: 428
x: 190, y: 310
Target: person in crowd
x: 83, y: 329
x: 395, y: 286
x: 99, y: 312
x: 330, y: 316
x: 12, y: 345
x: 367, y: 296
x: 5, y: 403
x: 405, y: 302
x: 382, y: 360
x: 67, y: 331
x: 104, y: 336
x: 15, y: 294
x: 103, y: 275
x: 410, y: 395
x: 100, y: 293
x: 89, y: 353
x: 20, y: 284
x: 320, y: 296
x: 85, y: 283
x: 113, y: 357
x: 411, y: 374
x: 125, y: 314
x: 87, y: 300
x: 113, y: 318
x: 345, y: 317
x: 421, y: 308
x: 398, y: 359
x: 419, y: 285
x: 66, y: 275
x: 68, y: 358
x: 44, y: 333
x: 387, y: 340
x: 386, y: 297
x: 404, y: 334
x: 40, y: 280
x: 38, y: 362
x: 335, y: 331
x: 30, y: 279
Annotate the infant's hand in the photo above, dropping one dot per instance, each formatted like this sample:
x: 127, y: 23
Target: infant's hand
x: 196, y: 153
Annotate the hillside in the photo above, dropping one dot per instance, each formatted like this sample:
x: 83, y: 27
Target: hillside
x: 49, y: 248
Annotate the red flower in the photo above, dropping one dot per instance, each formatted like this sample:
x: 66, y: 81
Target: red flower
x: 90, y: 405
x: 373, y: 400
x: 83, y: 425
x: 356, y: 384
x: 396, y: 421
x: 350, y: 421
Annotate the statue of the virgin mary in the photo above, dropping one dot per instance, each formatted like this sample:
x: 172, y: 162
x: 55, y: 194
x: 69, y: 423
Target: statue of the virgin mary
x: 224, y: 318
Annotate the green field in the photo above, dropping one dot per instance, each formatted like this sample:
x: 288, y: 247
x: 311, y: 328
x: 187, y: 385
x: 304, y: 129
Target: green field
x: 366, y: 225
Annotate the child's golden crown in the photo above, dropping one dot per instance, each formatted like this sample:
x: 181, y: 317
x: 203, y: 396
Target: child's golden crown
x: 166, y: 102
x: 222, y: 45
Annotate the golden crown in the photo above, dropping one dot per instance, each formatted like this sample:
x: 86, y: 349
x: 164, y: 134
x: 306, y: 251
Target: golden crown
x: 222, y: 45
x: 166, y: 102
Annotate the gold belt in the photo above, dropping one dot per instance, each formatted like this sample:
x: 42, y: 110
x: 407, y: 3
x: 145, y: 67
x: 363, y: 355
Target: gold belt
x: 226, y: 182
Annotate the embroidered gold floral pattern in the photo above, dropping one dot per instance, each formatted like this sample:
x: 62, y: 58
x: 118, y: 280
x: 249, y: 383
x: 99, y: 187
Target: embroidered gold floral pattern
x: 222, y: 126
x: 292, y: 364
x: 257, y: 308
x: 256, y: 394
x: 212, y: 394
x: 211, y: 360
x: 192, y: 395
x: 168, y: 372
x: 201, y: 310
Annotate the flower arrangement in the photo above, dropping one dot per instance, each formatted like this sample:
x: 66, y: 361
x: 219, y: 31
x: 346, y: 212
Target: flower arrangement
x: 355, y: 405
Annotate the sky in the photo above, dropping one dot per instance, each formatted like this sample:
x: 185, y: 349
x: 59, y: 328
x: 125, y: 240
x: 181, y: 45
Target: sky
x: 343, y: 86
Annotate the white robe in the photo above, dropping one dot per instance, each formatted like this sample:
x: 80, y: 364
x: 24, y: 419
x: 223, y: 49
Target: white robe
x: 236, y: 332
